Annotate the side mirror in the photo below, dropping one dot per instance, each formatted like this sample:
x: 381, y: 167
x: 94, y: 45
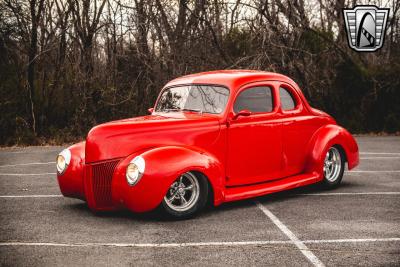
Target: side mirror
x: 244, y: 113
x: 150, y: 110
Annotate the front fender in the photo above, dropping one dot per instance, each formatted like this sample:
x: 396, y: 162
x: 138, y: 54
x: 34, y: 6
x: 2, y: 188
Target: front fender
x: 71, y: 182
x: 327, y: 136
x: 163, y: 166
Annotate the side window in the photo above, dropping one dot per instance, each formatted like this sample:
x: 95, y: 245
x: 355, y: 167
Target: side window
x: 256, y: 99
x: 287, y: 100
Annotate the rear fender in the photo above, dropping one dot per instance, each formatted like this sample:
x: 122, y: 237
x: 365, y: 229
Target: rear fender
x: 322, y: 140
x: 163, y: 166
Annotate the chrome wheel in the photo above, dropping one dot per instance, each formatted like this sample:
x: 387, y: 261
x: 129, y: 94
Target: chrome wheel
x: 183, y: 193
x: 332, y: 164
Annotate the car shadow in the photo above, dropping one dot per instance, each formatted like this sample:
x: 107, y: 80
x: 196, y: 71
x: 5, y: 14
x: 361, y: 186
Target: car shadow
x: 209, y: 211
x: 83, y: 209
x: 296, y: 193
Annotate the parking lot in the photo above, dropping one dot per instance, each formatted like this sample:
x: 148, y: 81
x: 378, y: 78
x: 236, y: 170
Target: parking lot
x: 355, y: 224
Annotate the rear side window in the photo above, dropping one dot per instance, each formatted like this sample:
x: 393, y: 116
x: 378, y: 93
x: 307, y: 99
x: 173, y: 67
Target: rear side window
x: 287, y: 100
x: 255, y: 99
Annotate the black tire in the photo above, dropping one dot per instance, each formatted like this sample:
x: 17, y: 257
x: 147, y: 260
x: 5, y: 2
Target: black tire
x: 167, y: 208
x: 333, y: 181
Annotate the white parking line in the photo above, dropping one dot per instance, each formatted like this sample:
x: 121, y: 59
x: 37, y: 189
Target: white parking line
x: 196, y: 244
x: 361, y: 171
x: 27, y: 174
x: 366, y: 158
x: 349, y: 194
x: 349, y: 240
x: 379, y: 153
x: 29, y: 196
x: 28, y: 151
x: 305, y: 194
x: 53, y: 173
x: 299, y: 244
x: 27, y: 164
x: 148, y: 245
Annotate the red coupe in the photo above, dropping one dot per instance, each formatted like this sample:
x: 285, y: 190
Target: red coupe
x: 211, y: 137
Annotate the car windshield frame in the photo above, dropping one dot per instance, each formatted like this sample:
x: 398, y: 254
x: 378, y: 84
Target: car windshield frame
x: 157, y: 109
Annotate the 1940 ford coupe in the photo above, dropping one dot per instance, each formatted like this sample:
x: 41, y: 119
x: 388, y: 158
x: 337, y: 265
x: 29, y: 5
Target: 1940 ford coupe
x: 211, y: 137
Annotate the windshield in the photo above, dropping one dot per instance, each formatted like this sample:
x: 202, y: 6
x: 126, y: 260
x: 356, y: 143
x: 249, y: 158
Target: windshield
x: 197, y: 98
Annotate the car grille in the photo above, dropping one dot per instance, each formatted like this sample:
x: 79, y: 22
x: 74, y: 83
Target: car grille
x: 102, y: 174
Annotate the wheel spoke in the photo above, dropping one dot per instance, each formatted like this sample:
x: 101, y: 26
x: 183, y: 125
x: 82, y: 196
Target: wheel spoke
x: 189, y: 188
x: 332, y: 164
x: 183, y: 200
x: 327, y: 172
x: 177, y: 197
x: 173, y: 196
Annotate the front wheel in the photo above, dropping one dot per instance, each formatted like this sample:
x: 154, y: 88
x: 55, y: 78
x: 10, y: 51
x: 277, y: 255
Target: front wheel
x: 333, y: 169
x: 186, y: 196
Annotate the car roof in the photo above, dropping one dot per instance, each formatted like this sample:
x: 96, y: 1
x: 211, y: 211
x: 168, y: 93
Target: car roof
x: 232, y: 79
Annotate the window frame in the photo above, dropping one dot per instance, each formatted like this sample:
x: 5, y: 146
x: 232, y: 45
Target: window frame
x: 298, y: 104
x: 253, y: 85
x: 222, y: 113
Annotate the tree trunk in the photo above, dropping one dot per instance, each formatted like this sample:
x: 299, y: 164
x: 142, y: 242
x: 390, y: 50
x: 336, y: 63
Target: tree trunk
x: 35, y: 16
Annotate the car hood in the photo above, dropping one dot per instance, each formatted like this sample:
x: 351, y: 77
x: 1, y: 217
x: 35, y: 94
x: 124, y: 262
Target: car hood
x: 121, y: 138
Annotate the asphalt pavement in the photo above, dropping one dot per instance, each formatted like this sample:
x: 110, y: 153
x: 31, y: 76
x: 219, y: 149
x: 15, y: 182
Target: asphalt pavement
x: 357, y: 224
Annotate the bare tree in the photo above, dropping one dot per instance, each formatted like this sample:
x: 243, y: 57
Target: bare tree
x: 66, y: 65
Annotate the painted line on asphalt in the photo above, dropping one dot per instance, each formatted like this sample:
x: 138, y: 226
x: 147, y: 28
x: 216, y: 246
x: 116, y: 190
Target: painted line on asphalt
x: 349, y: 240
x: 30, y: 196
x: 305, y: 194
x: 361, y: 171
x: 27, y: 164
x: 53, y: 162
x: 147, y: 245
x: 53, y: 173
x: 366, y: 158
x: 349, y: 194
x: 29, y: 151
x: 379, y: 153
x: 363, y: 158
x: 196, y: 244
x: 299, y: 244
x: 27, y: 174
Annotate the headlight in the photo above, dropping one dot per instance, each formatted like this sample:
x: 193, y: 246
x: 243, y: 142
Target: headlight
x: 135, y: 170
x: 63, y: 160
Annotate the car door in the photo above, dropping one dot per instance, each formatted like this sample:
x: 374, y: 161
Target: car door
x: 298, y: 126
x: 254, y: 141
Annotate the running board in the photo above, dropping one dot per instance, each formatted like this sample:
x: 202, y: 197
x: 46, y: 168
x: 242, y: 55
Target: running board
x: 250, y: 191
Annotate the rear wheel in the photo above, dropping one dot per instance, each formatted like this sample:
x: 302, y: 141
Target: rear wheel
x: 186, y: 196
x: 333, y: 167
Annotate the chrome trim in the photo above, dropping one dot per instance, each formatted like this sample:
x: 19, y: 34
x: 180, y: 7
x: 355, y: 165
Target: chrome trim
x: 66, y: 154
x: 332, y: 164
x: 140, y: 163
x: 184, y: 193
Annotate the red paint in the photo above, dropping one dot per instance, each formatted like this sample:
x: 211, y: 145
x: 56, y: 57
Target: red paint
x: 71, y: 182
x: 242, y: 155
